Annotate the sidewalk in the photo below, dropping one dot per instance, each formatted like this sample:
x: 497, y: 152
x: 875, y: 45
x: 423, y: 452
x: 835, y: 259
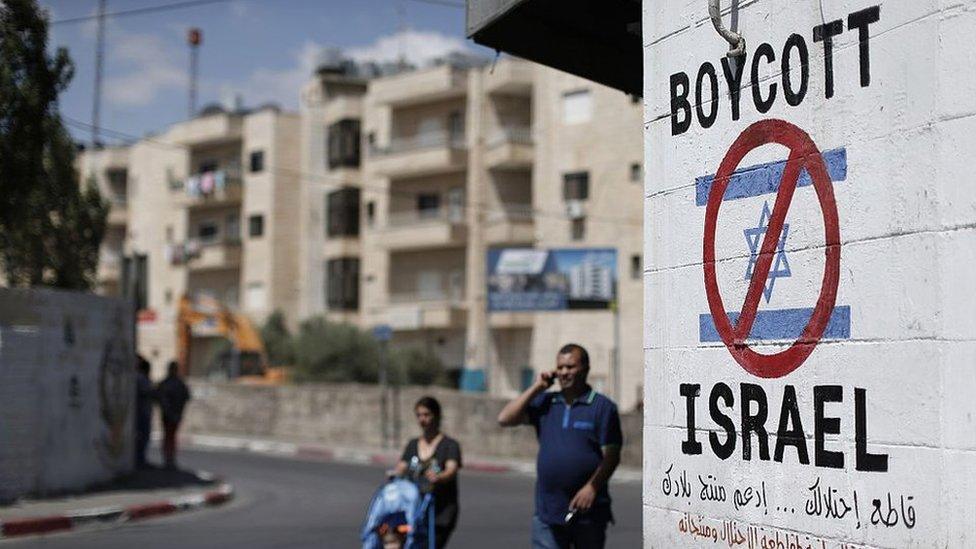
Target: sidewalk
x: 144, y: 494
x: 363, y: 456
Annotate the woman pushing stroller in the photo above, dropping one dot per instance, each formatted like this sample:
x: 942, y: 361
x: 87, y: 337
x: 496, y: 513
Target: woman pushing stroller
x: 432, y: 460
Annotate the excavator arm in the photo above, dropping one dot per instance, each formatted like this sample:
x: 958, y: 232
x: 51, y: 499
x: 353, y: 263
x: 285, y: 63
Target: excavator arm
x: 238, y: 329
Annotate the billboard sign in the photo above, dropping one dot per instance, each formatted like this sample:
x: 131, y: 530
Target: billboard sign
x: 528, y: 279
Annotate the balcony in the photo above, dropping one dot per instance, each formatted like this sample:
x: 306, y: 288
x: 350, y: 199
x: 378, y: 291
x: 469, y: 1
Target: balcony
x: 206, y: 256
x: 438, y: 309
x: 210, y: 189
x: 418, y: 229
x: 109, y: 267
x: 208, y: 130
x: 118, y: 213
x: 420, y: 154
x: 510, y: 77
x: 422, y: 86
x: 509, y: 148
x: 510, y: 224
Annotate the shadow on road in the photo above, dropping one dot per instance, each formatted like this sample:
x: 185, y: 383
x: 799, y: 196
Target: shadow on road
x: 153, y: 478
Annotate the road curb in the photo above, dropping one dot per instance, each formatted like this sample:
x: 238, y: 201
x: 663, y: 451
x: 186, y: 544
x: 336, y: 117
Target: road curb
x: 84, y: 517
x: 322, y: 453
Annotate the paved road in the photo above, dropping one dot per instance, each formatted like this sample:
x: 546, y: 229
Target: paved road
x: 290, y: 503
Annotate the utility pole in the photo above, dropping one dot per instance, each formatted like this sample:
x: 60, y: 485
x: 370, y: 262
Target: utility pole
x: 99, y: 60
x: 194, y: 38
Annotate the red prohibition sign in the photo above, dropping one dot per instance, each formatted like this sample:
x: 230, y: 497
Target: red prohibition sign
x: 803, y: 154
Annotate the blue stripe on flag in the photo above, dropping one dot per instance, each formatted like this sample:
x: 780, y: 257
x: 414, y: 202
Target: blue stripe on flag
x: 781, y: 324
x: 764, y: 178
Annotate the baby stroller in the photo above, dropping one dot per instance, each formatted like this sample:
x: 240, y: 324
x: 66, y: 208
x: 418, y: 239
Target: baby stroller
x: 399, y: 517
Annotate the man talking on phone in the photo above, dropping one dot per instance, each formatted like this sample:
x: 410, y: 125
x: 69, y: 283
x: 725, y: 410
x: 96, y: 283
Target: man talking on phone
x: 579, y: 448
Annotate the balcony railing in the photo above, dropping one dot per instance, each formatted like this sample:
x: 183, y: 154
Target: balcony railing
x: 420, y: 141
x: 453, y: 296
x: 511, y: 134
x: 207, y: 184
x: 185, y: 252
x: 510, y: 212
x: 407, y: 218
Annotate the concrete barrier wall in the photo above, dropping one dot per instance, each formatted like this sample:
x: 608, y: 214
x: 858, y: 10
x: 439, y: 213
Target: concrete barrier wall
x: 810, y: 237
x: 348, y: 415
x: 66, y: 391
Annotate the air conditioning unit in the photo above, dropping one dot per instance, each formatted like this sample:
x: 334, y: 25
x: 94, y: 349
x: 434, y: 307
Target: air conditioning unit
x: 575, y: 209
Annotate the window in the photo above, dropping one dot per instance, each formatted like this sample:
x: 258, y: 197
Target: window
x: 207, y: 166
x: 233, y: 227
x: 342, y: 212
x: 207, y: 231
x: 257, y: 161
x: 428, y: 205
x: 169, y: 234
x: 342, y: 283
x: 256, y: 296
x: 171, y: 180
x: 636, y: 172
x: 255, y: 225
x: 577, y: 107
x: 117, y: 181
x: 636, y: 269
x: 576, y: 186
x: 370, y: 212
x: 342, y: 144
x: 578, y: 229
x: 139, y: 265
x: 455, y: 126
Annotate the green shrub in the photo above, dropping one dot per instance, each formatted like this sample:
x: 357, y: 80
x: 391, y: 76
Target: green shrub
x: 332, y: 352
x: 278, y: 342
x: 418, y: 367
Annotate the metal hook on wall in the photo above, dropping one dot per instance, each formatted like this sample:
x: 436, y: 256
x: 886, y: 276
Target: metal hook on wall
x: 737, y: 44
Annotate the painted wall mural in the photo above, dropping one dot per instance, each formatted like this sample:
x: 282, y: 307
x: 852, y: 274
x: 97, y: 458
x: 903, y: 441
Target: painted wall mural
x: 67, y: 391
x: 803, y: 383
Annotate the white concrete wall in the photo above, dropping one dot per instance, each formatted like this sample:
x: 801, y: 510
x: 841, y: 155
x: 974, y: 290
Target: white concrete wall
x: 900, y: 129
x: 67, y: 391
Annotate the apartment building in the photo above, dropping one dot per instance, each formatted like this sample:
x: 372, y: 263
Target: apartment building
x: 208, y: 210
x: 453, y: 161
x: 108, y: 169
x: 379, y: 203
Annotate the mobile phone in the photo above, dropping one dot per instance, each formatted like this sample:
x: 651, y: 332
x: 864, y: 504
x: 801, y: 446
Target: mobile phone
x: 551, y: 380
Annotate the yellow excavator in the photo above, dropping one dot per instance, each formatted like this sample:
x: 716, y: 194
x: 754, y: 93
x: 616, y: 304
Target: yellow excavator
x: 246, y: 362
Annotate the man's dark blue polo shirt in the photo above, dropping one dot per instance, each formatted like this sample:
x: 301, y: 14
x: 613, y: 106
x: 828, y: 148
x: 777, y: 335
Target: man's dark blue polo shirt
x: 571, y: 441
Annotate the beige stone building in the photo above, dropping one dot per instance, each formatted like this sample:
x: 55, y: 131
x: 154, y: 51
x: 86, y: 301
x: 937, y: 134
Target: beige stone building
x: 210, y: 210
x: 378, y: 205
x: 108, y: 169
x: 450, y: 163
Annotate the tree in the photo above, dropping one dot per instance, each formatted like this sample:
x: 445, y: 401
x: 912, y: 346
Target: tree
x: 329, y: 351
x: 277, y: 340
x: 50, y: 228
x: 418, y: 367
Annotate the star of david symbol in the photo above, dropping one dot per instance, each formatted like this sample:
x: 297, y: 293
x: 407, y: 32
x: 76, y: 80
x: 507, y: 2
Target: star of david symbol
x: 754, y: 238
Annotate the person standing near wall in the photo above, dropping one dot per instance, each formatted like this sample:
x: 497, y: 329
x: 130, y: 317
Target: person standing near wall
x: 579, y: 449
x: 144, y: 407
x: 173, y: 394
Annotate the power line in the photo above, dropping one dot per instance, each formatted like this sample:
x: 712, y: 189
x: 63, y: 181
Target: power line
x: 152, y: 9
x: 485, y: 208
x: 447, y: 3
x: 196, y: 3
